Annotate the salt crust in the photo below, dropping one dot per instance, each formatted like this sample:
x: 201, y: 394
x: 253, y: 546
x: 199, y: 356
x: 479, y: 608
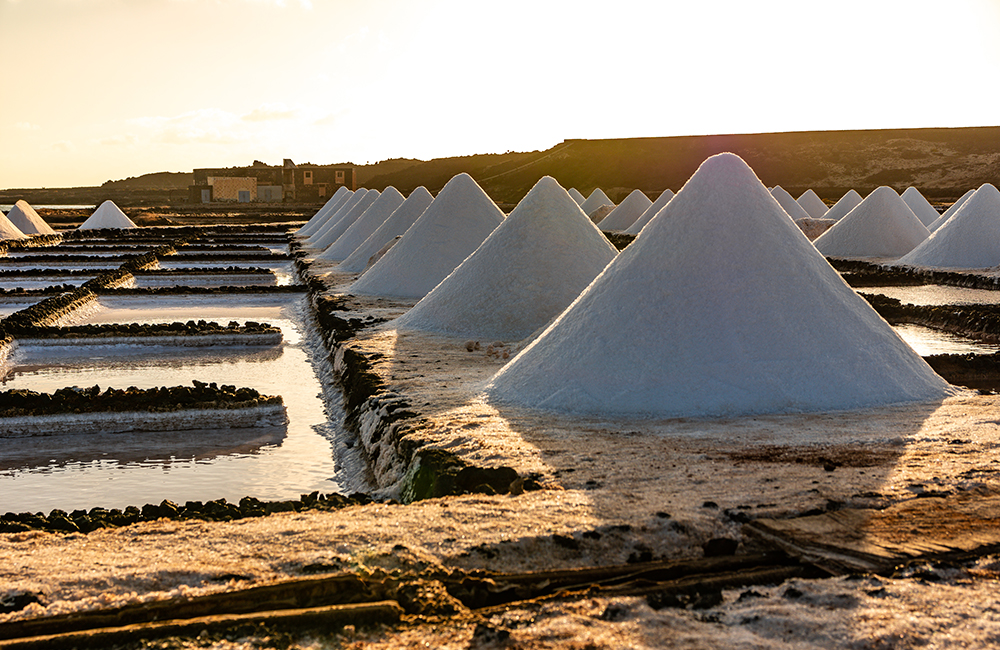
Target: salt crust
x: 453, y: 226
x: 950, y: 212
x: 920, y: 206
x: 650, y: 212
x: 333, y: 230
x: 25, y: 219
x: 625, y: 214
x: 848, y: 202
x: 596, y: 199
x: 338, y: 199
x: 268, y: 415
x: 527, y: 271
x: 788, y: 204
x: 107, y: 215
x: 364, y: 225
x: 969, y: 240
x: 720, y: 307
x: 397, y: 224
x: 812, y: 204
x: 334, y: 217
x: 575, y: 193
x: 882, y: 226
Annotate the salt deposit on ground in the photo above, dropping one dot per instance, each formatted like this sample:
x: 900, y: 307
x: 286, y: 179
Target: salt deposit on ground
x: 336, y: 216
x: 338, y: 199
x: 969, y: 240
x: 812, y: 204
x: 397, y: 224
x: 364, y: 225
x: 882, y: 226
x: 788, y: 204
x: 575, y: 193
x: 625, y: 214
x: 920, y: 206
x: 453, y: 226
x: 107, y: 215
x: 813, y: 228
x: 596, y: 199
x: 722, y: 306
x: 527, y: 271
x: 950, y: 212
x: 333, y: 230
x: 848, y: 202
x: 650, y: 212
x: 9, y: 230
x: 24, y: 217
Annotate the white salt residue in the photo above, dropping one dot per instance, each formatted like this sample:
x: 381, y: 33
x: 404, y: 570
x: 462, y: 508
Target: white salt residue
x: 333, y: 217
x: 950, y: 212
x: 596, y: 199
x: 575, y: 193
x: 8, y: 230
x: 527, y: 271
x: 25, y: 219
x: 916, y: 202
x: 848, y: 202
x: 650, y: 212
x: 627, y: 212
x: 338, y: 199
x: 453, y: 226
x: 364, y: 226
x: 881, y: 226
x: 969, y: 240
x: 397, y: 224
x: 107, y: 215
x: 332, y: 231
x: 722, y: 306
x: 788, y: 204
x: 812, y: 204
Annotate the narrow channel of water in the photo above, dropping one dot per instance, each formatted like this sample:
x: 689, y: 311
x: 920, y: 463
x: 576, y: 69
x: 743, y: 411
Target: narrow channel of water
x: 936, y: 294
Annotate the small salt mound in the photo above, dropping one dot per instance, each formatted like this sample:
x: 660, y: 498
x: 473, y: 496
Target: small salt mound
x: 9, y: 230
x: 650, y: 212
x: 627, y: 212
x: 970, y: 239
x: 575, y: 193
x: 720, y: 307
x: 25, y: 219
x: 812, y: 204
x: 848, y: 202
x: 950, y: 212
x: 882, y: 226
x: 333, y: 231
x: 453, y: 226
x: 107, y: 215
x: 920, y: 206
x: 332, y: 218
x: 397, y: 224
x: 813, y: 228
x: 785, y: 200
x: 364, y: 226
x: 331, y: 206
x: 596, y: 199
x: 526, y: 272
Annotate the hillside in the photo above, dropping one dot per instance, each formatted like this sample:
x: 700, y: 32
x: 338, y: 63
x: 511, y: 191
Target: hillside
x: 155, y: 181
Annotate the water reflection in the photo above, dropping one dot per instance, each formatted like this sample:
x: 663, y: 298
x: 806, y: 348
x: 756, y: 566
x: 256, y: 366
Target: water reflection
x: 927, y: 341
x: 936, y: 294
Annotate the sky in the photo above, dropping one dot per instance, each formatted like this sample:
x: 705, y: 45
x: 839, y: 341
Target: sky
x: 97, y: 90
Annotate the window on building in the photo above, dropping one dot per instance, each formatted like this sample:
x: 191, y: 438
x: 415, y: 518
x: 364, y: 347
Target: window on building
x: 307, y: 177
x: 340, y: 177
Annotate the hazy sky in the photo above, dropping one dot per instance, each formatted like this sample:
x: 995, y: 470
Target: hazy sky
x: 104, y: 89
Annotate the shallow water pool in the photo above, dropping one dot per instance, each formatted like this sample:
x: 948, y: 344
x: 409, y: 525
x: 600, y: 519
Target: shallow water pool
x: 936, y: 294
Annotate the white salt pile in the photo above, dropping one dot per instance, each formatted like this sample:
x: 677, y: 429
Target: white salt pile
x: 25, y: 219
x: 848, y: 202
x: 950, y: 212
x: 364, y: 226
x: 526, y: 272
x: 720, y: 307
x: 575, y: 193
x: 969, y: 240
x: 596, y: 199
x: 650, y: 212
x: 331, y: 206
x: 453, y: 226
x: 333, y: 230
x: 811, y: 203
x: 882, y: 226
x: 335, y: 216
x: 920, y: 206
x: 107, y: 215
x: 9, y: 230
x: 397, y: 224
x: 788, y: 204
x: 627, y: 212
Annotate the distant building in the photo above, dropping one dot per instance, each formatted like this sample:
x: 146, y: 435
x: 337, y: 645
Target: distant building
x: 291, y: 183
